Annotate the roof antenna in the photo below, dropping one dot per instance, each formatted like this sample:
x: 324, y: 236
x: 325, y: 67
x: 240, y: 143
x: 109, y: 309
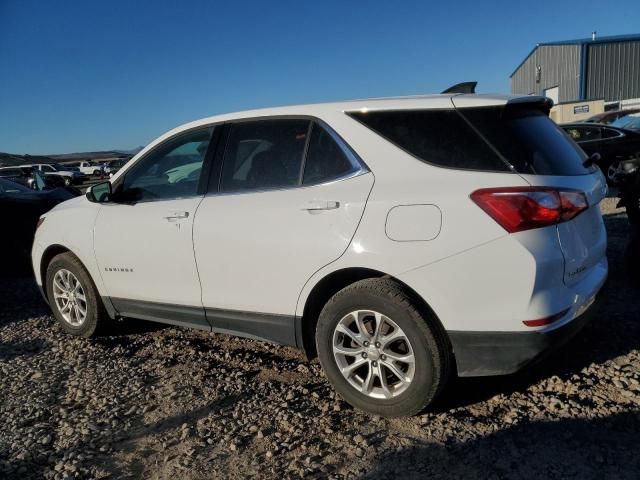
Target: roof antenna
x: 464, y: 87
x: 593, y: 35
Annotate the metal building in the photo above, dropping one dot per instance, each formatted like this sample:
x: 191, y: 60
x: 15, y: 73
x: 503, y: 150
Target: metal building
x: 606, y: 68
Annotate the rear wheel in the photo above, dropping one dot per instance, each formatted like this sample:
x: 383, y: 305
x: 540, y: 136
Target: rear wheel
x: 381, y: 353
x: 73, y: 296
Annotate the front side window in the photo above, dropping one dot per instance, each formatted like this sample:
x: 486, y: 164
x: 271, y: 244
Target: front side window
x: 171, y: 170
x: 326, y: 160
x: 264, y: 154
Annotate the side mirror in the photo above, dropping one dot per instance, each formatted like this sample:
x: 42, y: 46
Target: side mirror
x: 99, y: 193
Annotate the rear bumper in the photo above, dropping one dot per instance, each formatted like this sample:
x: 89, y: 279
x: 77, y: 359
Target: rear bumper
x: 500, y: 353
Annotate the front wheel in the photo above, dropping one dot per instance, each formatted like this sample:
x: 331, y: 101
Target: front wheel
x: 380, y: 350
x: 73, y: 296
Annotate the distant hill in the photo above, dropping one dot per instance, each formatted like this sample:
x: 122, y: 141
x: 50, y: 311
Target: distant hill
x: 11, y: 159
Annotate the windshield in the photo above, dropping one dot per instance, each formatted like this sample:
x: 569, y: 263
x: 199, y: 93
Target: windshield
x: 7, y: 186
x: 628, y: 121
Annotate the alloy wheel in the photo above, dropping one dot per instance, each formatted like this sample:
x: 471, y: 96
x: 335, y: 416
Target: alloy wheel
x: 69, y: 297
x: 373, y: 354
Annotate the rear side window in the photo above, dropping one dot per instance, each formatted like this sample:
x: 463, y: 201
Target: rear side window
x: 523, y: 140
x: 326, y: 160
x: 264, y: 154
x: 583, y: 134
x: 440, y: 137
x: 528, y: 139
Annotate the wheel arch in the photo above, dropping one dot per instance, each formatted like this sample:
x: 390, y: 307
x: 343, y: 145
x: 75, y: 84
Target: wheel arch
x: 50, y: 252
x: 56, y: 249
x: 335, y: 281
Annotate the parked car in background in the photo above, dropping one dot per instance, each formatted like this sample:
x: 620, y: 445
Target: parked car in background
x: 25, y: 176
x: 70, y: 175
x: 607, y: 117
x: 612, y: 143
x: 479, y: 245
x: 20, y: 209
x: 21, y: 175
x: 111, y: 167
x: 630, y: 122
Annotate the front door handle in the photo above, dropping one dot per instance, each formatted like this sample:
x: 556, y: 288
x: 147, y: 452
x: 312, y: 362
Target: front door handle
x: 316, y: 205
x: 176, y: 216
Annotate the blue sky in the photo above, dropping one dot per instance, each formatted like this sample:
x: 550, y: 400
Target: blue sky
x: 90, y: 75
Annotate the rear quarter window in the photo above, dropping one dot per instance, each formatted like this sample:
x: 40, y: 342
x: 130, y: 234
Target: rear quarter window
x: 439, y: 137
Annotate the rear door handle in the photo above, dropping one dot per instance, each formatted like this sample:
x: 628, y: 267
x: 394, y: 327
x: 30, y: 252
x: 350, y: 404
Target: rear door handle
x: 176, y: 216
x: 316, y: 205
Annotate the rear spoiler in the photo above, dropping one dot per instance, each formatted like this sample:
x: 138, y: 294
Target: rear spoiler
x: 543, y: 103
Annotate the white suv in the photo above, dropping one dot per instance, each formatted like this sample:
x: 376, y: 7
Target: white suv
x: 400, y: 240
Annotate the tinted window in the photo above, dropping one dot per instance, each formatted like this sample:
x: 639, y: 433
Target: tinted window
x: 583, y: 134
x: 326, y: 160
x: 441, y: 137
x: 528, y: 140
x: 171, y: 170
x: 610, y: 133
x: 264, y: 154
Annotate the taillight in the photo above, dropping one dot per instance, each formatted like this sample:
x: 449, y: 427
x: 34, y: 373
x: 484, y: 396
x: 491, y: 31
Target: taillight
x: 541, y: 322
x: 523, y: 208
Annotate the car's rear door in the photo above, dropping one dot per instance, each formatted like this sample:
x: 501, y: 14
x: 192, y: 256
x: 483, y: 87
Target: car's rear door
x: 288, y: 201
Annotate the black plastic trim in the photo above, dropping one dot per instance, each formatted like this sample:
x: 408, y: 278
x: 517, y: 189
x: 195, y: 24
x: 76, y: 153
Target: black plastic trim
x: 186, y: 316
x: 262, y: 326
x: 481, y: 354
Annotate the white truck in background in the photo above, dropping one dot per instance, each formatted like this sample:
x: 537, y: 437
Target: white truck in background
x: 90, y: 168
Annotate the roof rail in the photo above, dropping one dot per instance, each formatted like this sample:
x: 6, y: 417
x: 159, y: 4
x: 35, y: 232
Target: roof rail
x: 464, y: 87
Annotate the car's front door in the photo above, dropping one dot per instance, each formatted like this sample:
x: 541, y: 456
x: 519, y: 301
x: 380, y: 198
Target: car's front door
x: 288, y: 202
x: 143, y: 239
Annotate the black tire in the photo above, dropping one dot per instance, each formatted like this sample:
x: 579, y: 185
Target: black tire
x: 97, y: 173
x: 96, y: 314
x: 426, y: 336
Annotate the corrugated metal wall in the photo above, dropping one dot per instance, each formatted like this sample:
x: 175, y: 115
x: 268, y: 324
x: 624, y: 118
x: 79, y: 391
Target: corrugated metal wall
x: 613, y: 71
x: 560, y: 67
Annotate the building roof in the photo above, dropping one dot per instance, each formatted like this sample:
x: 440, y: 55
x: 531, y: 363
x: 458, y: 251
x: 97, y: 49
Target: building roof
x: 581, y: 41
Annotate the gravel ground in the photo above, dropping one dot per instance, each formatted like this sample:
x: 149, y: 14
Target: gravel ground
x: 159, y: 402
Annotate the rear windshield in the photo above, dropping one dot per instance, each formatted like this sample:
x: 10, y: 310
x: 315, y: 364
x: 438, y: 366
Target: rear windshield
x: 522, y: 140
